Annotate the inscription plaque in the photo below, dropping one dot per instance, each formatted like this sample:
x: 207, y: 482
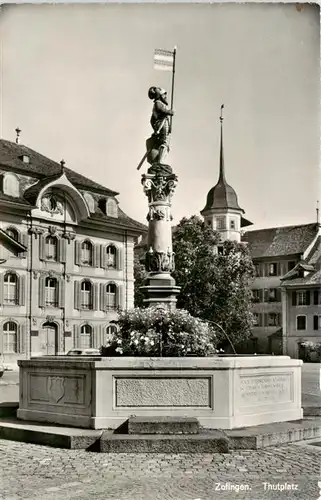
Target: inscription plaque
x: 163, y: 391
x: 265, y: 389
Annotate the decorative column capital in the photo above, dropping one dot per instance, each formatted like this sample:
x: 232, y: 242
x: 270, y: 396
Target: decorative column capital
x: 159, y: 187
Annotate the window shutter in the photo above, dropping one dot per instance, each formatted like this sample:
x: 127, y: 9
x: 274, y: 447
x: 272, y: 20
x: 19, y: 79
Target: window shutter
x: 294, y: 298
x: 77, y: 252
x: 307, y: 294
x: 41, y: 291
x: 119, y: 259
x: 61, y: 293
x: 279, y: 269
x: 266, y: 319
x: 266, y: 270
x: 62, y: 249
x: 278, y: 295
x: 103, y: 256
x: 1, y: 289
x: 96, y: 255
x: 95, y: 296
x: 102, y: 296
x: 316, y: 297
x: 76, y: 336
x: 25, y: 243
x: 266, y: 295
x: 21, y: 340
x: 120, y: 302
x: 77, y: 295
x: 315, y: 322
x: 42, y: 247
x: 22, y: 290
x: 279, y: 319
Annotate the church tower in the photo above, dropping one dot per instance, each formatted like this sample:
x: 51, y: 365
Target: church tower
x: 222, y: 211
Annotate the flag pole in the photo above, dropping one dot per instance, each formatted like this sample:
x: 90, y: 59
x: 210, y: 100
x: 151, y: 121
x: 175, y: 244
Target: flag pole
x: 172, y: 94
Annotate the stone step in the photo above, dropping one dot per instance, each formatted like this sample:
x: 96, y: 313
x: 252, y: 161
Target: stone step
x: 156, y: 443
x: 49, y: 434
x: 163, y: 425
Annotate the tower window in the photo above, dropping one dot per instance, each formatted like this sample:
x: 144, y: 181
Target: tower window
x: 220, y: 223
x: 232, y: 224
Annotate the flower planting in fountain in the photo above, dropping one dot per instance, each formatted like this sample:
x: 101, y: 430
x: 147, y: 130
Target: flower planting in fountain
x: 158, y: 331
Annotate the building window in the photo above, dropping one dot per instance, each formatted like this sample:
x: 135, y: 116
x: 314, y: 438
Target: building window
x: 13, y: 233
x: 273, y: 319
x: 220, y: 223
x: 303, y: 298
x: 256, y: 294
x: 232, y: 224
x: 86, y: 253
x: 111, y: 291
x: 10, y: 334
x: 257, y: 319
x: 271, y: 295
x: 273, y: 269
x: 111, y: 208
x: 316, y: 297
x: 316, y: 322
x: 51, y: 292
x: 86, y: 295
x: 301, y: 322
x: 291, y: 265
x: 51, y: 245
x: 10, y: 295
x: 111, y: 257
x: 257, y: 269
x: 86, y: 337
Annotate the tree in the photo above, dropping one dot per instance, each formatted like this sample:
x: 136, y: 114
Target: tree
x: 214, y: 278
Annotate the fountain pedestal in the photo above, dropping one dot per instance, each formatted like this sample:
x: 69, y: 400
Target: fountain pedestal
x: 159, y: 184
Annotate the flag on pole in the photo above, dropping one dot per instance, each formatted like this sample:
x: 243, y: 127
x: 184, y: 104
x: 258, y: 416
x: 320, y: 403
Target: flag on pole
x: 164, y: 59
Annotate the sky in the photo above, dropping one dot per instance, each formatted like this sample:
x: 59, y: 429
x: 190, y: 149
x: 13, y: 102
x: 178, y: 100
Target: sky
x: 75, y: 79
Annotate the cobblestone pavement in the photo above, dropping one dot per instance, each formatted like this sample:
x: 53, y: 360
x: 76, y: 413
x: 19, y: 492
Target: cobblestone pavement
x: 34, y: 472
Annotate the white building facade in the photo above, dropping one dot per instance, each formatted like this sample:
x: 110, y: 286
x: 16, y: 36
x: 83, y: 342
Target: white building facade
x: 66, y: 257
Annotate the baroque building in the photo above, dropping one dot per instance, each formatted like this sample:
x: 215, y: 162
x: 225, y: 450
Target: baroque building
x: 66, y: 256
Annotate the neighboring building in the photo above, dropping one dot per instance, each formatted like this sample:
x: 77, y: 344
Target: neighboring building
x: 222, y: 211
x: 277, y: 252
x: 66, y: 256
x: 301, y: 288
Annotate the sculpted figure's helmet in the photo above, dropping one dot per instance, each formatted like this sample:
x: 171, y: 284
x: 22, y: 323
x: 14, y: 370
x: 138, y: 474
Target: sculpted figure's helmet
x: 156, y: 92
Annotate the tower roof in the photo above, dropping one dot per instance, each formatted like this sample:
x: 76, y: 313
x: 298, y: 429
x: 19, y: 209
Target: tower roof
x: 222, y: 195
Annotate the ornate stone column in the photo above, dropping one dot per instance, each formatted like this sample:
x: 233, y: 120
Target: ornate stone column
x: 159, y: 185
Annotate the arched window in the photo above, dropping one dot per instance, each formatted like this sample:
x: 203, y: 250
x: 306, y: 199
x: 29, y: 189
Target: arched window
x: 51, y: 295
x: 10, y: 292
x: 51, y: 245
x: 86, y: 253
x: 10, y: 334
x: 86, y: 337
x: 111, y: 257
x: 111, y: 291
x: 13, y: 233
x: 111, y: 208
x: 86, y: 295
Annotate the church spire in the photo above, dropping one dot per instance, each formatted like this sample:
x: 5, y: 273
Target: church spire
x: 222, y: 169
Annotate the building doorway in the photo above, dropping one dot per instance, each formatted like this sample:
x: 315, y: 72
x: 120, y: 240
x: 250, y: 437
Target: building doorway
x: 49, y: 339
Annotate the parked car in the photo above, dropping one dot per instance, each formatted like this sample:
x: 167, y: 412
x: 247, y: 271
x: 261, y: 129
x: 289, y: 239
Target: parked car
x: 83, y: 352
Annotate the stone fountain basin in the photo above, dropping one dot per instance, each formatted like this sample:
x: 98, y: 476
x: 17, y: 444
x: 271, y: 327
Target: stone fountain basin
x: 222, y: 392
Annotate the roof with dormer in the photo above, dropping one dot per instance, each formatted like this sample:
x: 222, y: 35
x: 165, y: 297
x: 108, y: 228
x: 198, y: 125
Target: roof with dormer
x: 45, y: 171
x: 281, y: 241
x: 40, y: 166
